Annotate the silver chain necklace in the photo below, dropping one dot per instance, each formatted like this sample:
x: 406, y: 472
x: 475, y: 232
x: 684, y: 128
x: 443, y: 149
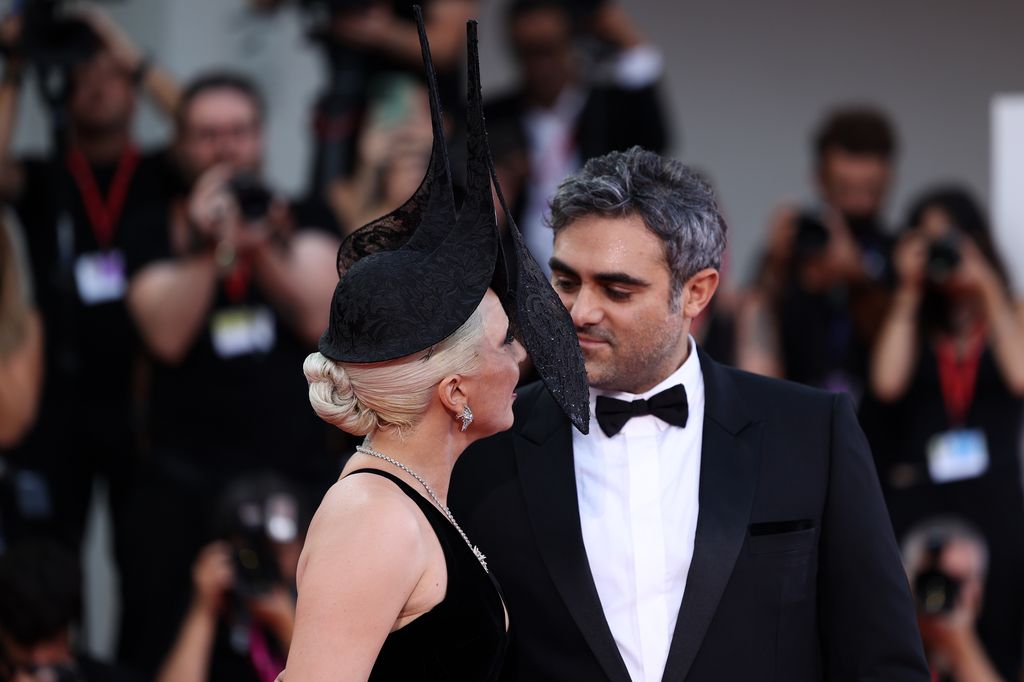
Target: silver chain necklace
x: 367, y: 450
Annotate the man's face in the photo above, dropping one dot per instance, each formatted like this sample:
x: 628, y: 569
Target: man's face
x: 220, y: 127
x: 613, y: 277
x: 542, y: 43
x: 856, y: 185
x: 102, y: 97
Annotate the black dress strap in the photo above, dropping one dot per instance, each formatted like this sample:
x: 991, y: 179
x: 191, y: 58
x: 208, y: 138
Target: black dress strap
x: 438, y: 521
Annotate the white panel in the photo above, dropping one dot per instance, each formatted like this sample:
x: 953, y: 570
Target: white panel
x: 1008, y: 182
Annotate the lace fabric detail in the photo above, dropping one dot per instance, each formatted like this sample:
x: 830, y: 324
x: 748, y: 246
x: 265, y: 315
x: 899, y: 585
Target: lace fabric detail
x: 412, y: 277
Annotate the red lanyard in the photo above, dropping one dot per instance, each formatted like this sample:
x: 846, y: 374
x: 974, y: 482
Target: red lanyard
x: 236, y: 283
x: 103, y: 213
x: 958, y: 377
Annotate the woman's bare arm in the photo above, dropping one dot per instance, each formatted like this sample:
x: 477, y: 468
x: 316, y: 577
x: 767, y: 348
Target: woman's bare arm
x: 365, y: 555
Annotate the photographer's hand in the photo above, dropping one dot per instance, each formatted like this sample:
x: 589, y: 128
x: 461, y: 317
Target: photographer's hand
x: 910, y: 260
x: 1004, y: 318
x: 159, y: 84
x: 298, y: 278
x: 211, y: 211
x: 778, y: 254
x: 843, y: 252
x: 894, y: 355
x: 951, y: 638
x: 212, y: 576
x: 611, y: 24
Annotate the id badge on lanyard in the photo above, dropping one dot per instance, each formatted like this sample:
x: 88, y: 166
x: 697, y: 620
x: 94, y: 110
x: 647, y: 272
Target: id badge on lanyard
x: 960, y: 453
x: 242, y: 329
x: 101, y: 276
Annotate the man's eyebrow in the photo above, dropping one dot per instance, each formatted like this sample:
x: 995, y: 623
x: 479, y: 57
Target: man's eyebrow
x: 556, y: 264
x: 620, y: 278
x: 603, y: 277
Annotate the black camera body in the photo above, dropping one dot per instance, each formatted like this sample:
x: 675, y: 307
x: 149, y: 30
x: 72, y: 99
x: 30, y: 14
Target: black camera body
x: 811, y: 236
x: 252, y: 196
x: 52, y: 41
x: 943, y: 258
x: 935, y: 591
x: 256, y: 569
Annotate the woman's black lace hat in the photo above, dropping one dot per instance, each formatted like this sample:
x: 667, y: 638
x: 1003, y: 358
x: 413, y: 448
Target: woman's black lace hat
x: 410, y: 279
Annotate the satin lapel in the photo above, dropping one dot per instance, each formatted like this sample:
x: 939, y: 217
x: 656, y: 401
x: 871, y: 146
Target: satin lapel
x: 728, y: 479
x: 544, y: 456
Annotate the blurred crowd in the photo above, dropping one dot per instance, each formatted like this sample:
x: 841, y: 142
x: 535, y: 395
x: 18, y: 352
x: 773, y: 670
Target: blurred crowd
x: 156, y: 306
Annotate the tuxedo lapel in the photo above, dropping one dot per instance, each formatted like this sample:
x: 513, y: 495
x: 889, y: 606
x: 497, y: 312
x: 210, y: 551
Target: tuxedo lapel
x: 544, y: 457
x: 728, y: 478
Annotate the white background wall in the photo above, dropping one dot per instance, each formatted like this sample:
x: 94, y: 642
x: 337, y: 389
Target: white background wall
x: 746, y: 83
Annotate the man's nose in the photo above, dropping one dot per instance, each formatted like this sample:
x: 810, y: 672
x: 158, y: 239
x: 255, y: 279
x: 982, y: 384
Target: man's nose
x: 586, y: 308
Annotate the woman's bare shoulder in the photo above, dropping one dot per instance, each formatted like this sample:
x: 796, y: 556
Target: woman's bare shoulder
x: 365, y: 514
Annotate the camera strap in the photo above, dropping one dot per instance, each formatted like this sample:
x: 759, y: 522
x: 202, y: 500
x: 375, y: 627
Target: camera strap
x: 958, y: 376
x: 102, y: 212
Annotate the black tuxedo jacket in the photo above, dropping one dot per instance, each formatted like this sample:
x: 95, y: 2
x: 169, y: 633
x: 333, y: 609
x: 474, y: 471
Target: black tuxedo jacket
x: 795, y: 573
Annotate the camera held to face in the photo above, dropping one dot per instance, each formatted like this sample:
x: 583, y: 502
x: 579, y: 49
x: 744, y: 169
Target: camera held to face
x: 252, y: 196
x: 943, y: 258
x: 935, y: 591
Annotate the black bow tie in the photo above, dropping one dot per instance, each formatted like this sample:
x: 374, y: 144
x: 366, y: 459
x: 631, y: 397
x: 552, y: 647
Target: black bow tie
x: 669, y: 406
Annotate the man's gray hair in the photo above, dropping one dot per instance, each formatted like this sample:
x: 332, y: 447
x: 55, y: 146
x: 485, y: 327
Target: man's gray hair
x: 674, y: 202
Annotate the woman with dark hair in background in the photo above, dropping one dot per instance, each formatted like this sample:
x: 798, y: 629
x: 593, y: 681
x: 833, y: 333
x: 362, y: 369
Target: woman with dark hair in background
x: 948, y: 373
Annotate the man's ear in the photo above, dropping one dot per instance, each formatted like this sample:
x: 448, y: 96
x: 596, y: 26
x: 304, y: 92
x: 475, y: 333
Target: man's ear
x: 698, y: 290
x: 453, y: 398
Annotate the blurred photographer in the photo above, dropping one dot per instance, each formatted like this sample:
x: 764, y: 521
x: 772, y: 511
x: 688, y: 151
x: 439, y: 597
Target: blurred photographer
x: 40, y: 607
x: 21, y: 339
x: 571, y: 104
x: 366, y: 42
x: 393, y: 153
x: 947, y: 563
x: 239, y: 624
x: 821, y: 286
x: 948, y: 371
x: 79, y: 207
x: 228, y: 303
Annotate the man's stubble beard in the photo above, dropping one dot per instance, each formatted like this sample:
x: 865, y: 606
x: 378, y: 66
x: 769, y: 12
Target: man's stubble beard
x: 641, y: 366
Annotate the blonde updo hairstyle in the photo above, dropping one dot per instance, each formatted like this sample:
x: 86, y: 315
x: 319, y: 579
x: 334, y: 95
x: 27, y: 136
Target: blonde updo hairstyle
x: 360, y: 398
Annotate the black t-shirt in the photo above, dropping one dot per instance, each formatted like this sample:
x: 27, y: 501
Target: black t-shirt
x: 92, y: 670
x: 79, y: 282
x: 825, y: 336
x: 238, y: 400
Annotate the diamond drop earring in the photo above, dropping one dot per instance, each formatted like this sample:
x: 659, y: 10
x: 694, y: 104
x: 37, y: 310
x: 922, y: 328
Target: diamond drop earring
x: 466, y: 417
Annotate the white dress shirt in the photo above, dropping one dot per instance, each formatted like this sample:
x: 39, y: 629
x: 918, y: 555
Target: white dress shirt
x: 637, y: 495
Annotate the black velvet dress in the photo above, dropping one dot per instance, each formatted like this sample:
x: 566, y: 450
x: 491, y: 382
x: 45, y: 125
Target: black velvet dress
x: 462, y: 639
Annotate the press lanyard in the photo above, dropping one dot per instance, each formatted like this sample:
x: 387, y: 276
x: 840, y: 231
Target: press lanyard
x: 958, y: 377
x: 103, y: 212
x: 236, y: 282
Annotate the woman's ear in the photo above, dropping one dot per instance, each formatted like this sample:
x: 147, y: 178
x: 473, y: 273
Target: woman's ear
x: 698, y: 290
x: 452, y: 395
